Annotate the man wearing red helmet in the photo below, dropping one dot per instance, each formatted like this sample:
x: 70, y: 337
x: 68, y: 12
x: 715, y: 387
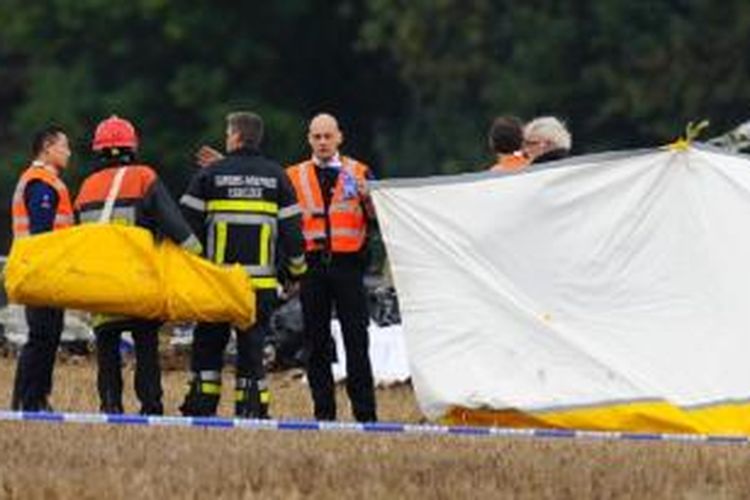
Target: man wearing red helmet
x: 139, y: 198
x: 41, y: 203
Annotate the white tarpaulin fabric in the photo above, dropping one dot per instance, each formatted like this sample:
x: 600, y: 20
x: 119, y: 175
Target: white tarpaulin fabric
x: 606, y: 282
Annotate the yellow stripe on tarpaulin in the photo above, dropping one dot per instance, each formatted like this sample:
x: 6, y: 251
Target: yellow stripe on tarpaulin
x: 727, y: 418
x: 639, y: 416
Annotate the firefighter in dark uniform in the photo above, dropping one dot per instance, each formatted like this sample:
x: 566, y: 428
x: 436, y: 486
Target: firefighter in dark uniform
x: 332, y: 192
x: 41, y: 203
x: 140, y: 199
x: 244, y: 210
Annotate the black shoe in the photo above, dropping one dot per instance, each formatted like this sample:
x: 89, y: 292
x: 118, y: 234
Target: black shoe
x: 41, y: 405
x: 242, y: 410
x: 199, y: 406
x: 45, y: 406
x: 112, y: 408
x: 152, y: 409
x: 325, y: 413
x: 32, y: 406
x: 364, y: 416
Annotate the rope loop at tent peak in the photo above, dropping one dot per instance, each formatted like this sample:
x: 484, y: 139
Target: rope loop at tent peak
x: 692, y: 131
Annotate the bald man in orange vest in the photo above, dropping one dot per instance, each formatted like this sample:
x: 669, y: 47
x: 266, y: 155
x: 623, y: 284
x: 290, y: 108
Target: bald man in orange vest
x: 332, y: 194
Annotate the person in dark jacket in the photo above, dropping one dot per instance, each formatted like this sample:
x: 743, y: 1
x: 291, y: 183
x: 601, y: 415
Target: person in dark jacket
x: 546, y: 139
x: 245, y: 212
x: 139, y: 199
x: 41, y: 203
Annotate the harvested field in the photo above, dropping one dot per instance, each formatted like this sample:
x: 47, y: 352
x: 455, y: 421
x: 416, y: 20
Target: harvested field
x: 40, y: 460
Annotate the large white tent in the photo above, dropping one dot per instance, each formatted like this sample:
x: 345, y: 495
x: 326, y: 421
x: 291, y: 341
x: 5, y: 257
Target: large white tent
x: 604, y: 292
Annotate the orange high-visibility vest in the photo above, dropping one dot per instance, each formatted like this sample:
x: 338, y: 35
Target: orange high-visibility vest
x: 48, y: 175
x: 511, y: 163
x: 345, y: 222
x: 92, y: 197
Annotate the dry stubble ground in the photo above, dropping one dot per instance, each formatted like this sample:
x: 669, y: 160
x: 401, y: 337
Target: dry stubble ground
x: 79, y: 461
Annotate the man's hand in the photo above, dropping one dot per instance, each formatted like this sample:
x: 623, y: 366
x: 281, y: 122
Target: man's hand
x: 207, y: 155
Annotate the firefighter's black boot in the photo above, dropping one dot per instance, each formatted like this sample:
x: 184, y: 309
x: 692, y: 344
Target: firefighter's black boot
x: 202, y: 399
x: 252, y: 398
x: 155, y: 408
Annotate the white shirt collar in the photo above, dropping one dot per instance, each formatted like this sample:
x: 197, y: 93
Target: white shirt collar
x: 334, y: 161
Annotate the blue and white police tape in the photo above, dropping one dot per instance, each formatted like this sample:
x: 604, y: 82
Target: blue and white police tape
x: 359, y: 428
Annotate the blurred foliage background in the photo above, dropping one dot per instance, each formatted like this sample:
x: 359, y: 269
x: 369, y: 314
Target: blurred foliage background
x: 415, y: 84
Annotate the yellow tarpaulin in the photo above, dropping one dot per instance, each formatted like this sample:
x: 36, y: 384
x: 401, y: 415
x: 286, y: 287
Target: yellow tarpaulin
x: 105, y: 268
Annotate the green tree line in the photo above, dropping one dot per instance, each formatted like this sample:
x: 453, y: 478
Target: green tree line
x: 415, y: 83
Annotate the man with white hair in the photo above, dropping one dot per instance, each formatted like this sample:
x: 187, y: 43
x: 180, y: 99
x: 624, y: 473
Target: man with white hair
x: 546, y: 139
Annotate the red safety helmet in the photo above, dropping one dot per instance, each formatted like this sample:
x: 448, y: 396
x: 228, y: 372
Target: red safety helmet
x: 114, y: 132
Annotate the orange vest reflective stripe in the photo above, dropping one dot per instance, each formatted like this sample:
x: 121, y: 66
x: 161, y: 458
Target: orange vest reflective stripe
x: 347, y: 221
x: 64, y: 215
